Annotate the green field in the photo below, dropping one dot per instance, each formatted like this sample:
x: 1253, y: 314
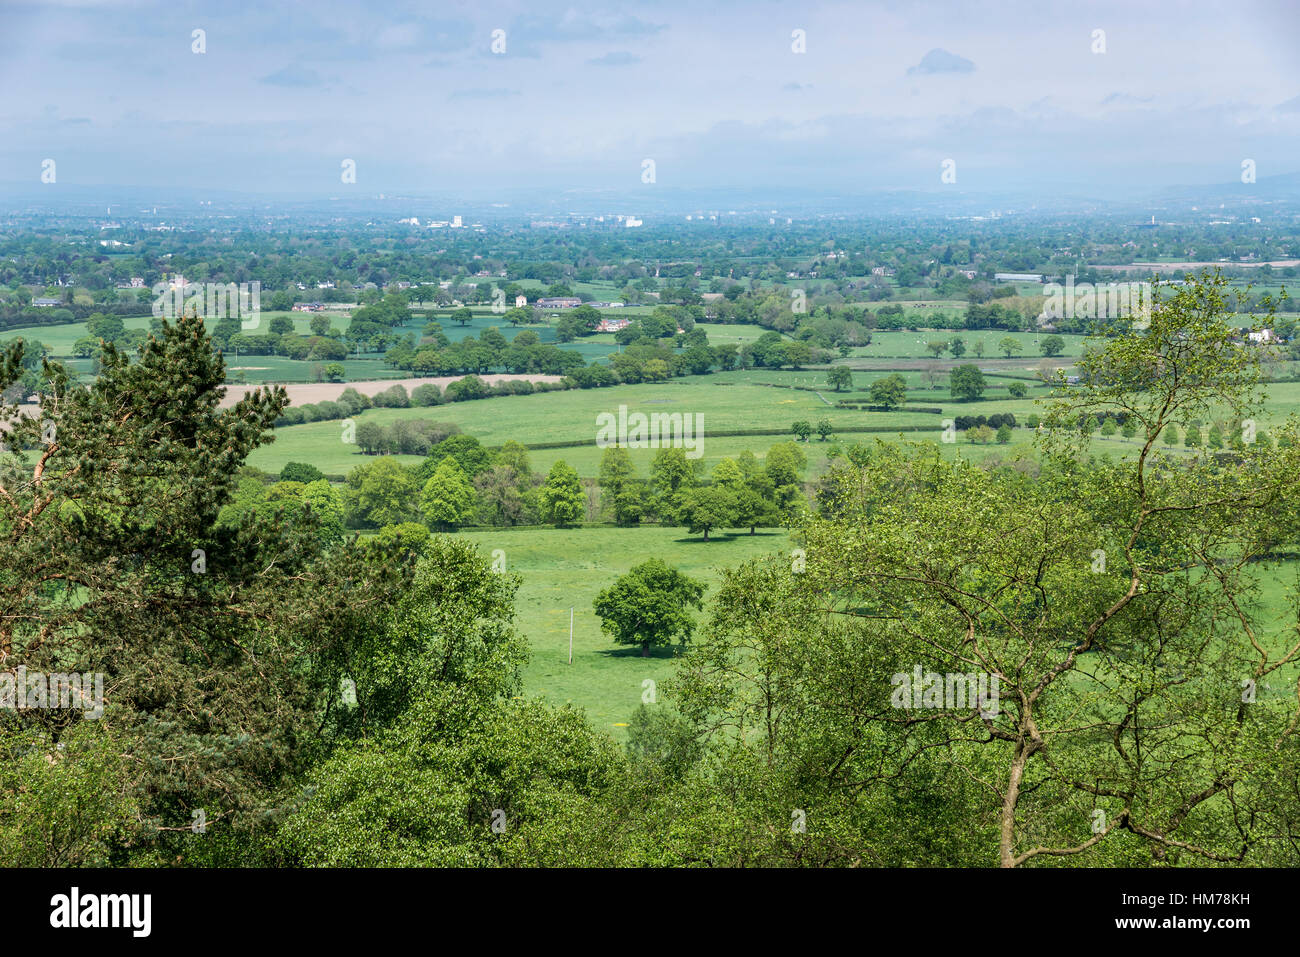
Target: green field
x: 59, y: 339
x: 726, y: 401
x: 566, y: 568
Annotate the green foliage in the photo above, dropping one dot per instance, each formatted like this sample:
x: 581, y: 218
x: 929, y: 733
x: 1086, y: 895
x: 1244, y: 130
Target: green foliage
x: 1052, y: 345
x: 889, y: 391
x: 649, y: 606
x: 468, y: 452
x: 562, y: 500
x: 704, y: 509
x: 839, y: 378
x: 447, y: 500
x: 208, y: 635
x: 383, y: 492
x: 966, y: 382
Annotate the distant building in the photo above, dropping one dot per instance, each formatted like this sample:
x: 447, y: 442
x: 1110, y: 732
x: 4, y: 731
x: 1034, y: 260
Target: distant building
x: 613, y: 325
x: 308, y: 307
x: 520, y: 301
x: 457, y: 222
x: 559, y: 302
x: 1261, y: 337
x: 45, y: 303
x: 1018, y: 277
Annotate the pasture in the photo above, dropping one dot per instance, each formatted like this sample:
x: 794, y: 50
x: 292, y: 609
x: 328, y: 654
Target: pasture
x: 566, y: 568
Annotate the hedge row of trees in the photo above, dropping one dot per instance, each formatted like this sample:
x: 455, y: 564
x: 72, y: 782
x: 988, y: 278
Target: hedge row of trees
x: 460, y: 483
x: 351, y: 402
x: 738, y: 494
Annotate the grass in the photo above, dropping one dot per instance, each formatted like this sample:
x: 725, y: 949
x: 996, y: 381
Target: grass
x: 725, y: 405
x: 566, y: 568
x: 59, y: 339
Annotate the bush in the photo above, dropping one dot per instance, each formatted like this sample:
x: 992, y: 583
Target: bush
x: 392, y: 398
x: 994, y: 421
x: 300, y: 472
x: 292, y: 415
x: 470, y: 387
x: 426, y: 395
x: 328, y: 411
x: 354, y: 400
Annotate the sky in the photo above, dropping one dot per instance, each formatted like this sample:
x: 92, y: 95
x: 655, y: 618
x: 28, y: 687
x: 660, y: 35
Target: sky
x: 869, y: 96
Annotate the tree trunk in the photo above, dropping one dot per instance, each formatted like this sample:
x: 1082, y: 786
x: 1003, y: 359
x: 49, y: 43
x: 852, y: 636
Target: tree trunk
x: 645, y: 649
x: 706, y: 534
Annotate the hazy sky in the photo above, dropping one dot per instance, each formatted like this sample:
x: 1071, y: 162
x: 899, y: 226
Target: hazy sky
x: 712, y: 92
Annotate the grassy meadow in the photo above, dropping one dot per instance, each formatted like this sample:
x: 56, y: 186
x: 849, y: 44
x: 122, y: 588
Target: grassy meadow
x: 566, y: 568
x: 563, y: 569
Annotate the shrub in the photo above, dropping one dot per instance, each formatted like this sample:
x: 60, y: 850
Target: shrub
x: 300, y: 472
x: 392, y: 398
x: 426, y: 395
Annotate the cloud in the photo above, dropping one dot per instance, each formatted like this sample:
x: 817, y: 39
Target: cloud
x: 495, y: 93
x: 1290, y: 106
x: 618, y: 58
x: 941, y: 61
x: 293, y: 75
x: 796, y: 87
x: 527, y: 34
x: 1125, y: 99
x: 446, y: 36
